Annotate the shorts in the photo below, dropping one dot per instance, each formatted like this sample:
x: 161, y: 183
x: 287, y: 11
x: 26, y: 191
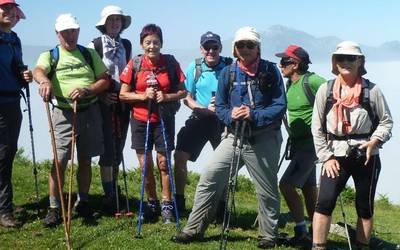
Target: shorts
x: 89, y: 133
x: 195, y: 134
x: 301, y: 170
x: 138, y: 129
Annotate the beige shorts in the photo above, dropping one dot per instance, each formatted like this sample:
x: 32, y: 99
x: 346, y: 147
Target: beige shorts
x: 89, y: 133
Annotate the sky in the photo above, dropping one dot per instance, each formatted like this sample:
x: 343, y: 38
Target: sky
x: 368, y: 22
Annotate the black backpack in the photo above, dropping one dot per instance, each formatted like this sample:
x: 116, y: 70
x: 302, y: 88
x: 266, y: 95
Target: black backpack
x: 168, y: 108
x: 199, y: 70
x: 365, y: 103
x: 306, y: 88
x: 98, y: 46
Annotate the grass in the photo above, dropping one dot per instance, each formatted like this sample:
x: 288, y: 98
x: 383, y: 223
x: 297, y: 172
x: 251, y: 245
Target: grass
x: 112, y: 233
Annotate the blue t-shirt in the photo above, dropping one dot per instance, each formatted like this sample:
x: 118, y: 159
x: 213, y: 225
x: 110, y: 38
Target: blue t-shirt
x: 10, y: 50
x: 207, y: 82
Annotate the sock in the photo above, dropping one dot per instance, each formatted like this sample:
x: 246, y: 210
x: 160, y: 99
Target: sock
x: 300, y: 228
x: 108, y: 188
x: 83, y: 197
x: 54, y: 202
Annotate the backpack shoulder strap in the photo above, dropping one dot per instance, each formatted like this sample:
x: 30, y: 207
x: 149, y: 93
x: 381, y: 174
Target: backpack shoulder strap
x: 86, y: 54
x: 228, y: 60
x: 98, y: 46
x: 366, y: 104
x: 172, y: 74
x: 307, y: 89
x: 198, y: 69
x: 232, y: 75
x: 328, y: 104
x: 54, y: 57
x: 137, y: 66
x: 128, y: 48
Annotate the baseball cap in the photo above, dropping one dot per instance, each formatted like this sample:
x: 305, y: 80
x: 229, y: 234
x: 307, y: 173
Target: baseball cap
x: 296, y: 52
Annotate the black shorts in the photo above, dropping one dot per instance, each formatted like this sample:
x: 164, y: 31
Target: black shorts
x: 138, y: 129
x: 365, y: 180
x: 195, y: 134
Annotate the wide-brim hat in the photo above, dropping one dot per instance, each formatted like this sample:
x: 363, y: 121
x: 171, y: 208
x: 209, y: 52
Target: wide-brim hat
x: 65, y: 22
x: 348, y: 48
x: 20, y: 13
x: 113, y: 10
x: 246, y: 33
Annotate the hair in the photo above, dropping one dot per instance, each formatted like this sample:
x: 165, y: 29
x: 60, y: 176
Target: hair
x: 303, y: 67
x: 361, y: 70
x: 151, y: 29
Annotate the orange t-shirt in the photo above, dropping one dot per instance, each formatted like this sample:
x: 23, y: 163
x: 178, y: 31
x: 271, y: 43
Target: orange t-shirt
x: 148, y: 74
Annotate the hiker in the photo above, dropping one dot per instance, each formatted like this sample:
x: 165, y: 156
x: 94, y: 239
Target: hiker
x: 148, y: 83
x: 69, y: 73
x: 348, y: 132
x: 250, y: 90
x: 13, y: 77
x: 115, y: 52
x: 203, y: 125
x: 301, y: 88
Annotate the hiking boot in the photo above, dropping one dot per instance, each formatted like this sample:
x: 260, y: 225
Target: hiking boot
x: 167, y: 212
x: 110, y: 205
x: 180, y: 202
x: 185, y: 238
x: 152, y: 211
x: 53, y: 217
x: 82, y: 209
x: 7, y: 220
x: 266, y: 244
x: 303, y: 241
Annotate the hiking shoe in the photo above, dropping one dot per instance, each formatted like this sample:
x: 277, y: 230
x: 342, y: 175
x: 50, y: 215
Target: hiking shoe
x: 152, y: 211
x: 53, y: 217
x: 167, y: 212
x: 7, y: 220
x: 180, y: 202
x: 82, y: 209
x: 266, y: 244
x: 110, y: 205
x: 185, y: 238
x: 303, y: 241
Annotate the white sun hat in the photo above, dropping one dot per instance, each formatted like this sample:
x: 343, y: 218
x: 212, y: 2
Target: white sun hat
x: 65, y: 22
x: 113, y: 10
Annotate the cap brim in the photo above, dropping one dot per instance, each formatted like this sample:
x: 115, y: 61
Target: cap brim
x: 282, y: 54
x: 126, y: 23
x: 211, y: 40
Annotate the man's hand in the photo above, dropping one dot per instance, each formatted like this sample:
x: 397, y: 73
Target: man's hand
x: 211, y: 105
x: 241, y: 113
x: 369, y: 146
x: 331, y: 168
x: 45, y: 90
x: 79, y: 93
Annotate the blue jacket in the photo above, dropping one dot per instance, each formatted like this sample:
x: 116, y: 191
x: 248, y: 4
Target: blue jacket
x: 268, y: 106
x: 10, y: 57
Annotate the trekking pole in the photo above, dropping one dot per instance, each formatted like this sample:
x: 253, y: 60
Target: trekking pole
x: 57, y: 166
x: 35, y: 172
x: 71, y: 169
x: 230, y: 194
x: 171, y: 177
x: 146, y: 145
x: 114, y: 169
x: 345, y: 222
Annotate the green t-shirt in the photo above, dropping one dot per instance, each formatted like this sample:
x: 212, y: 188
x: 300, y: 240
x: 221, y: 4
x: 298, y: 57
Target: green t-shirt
x: 72, y: 72
x: 300, y: 110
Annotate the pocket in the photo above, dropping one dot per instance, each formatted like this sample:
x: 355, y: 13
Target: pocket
x: 359, y: 120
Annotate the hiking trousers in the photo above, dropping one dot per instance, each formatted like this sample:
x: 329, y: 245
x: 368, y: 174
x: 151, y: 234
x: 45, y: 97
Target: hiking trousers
x: 261, y: 159
x: 10, y: 125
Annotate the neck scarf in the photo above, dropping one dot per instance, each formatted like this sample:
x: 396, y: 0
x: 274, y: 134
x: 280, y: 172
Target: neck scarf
x: 114, y: 56
x: 343, y: 104
x: 250, y: 69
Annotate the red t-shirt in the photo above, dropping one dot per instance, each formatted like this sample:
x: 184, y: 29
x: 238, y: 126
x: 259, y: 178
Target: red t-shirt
x: 142, y: 79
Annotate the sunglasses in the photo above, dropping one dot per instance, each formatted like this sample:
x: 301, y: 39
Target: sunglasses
x: 285, y: 61
x: 348, y: 58
x: 248, y: 44
x: 214, y: 47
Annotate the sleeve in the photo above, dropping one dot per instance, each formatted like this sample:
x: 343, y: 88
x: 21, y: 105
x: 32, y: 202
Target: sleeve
x: 222, y: 105
x: 127, y: 73
x: 181, y: 75
x: 320, y: 143
x: 98, y: 64
x: 277, y: 108
x: 384, y: 130
x: 44, y: 61
x: 189, y: 82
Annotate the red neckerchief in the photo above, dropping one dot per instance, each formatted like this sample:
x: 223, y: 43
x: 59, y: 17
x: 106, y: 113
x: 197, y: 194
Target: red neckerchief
x: 250, y: 69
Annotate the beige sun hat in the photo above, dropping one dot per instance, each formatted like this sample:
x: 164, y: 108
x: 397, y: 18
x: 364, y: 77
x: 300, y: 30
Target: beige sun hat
x: 348, y: 48
x: 113, y: 10
x: 246, y: 33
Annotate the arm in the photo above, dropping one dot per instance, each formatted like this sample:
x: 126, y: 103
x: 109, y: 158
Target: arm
x: 45, y: 87
x: 127, y: 95
x: 223, y: 108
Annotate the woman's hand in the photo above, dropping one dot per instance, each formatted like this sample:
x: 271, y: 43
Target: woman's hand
x: 160, y: 96
x: 149, y: 94
x: 369, y: 146
x: 27, y: 75
x: 331, y: 168
x: 241, y: 113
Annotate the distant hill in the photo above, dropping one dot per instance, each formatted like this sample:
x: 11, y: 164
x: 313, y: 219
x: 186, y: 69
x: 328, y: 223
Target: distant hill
x: 275, y: 39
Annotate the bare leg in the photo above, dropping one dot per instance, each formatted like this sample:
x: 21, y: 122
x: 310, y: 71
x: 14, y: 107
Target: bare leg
x: 180, y: 170
x: 150, y: 182
x: 293, y: 201
x: 53, y: 187
x: 321, y: 224
x: 84, y: 175
x: 164, y: 176
x: 364, y: 228
x: 310, y: 198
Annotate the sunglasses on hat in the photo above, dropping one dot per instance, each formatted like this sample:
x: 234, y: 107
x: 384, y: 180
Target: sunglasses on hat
x: 248, y: 44
x: 348, y: 58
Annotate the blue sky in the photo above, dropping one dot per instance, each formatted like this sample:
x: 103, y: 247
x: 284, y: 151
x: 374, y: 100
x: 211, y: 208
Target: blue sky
x: 368, y: 22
